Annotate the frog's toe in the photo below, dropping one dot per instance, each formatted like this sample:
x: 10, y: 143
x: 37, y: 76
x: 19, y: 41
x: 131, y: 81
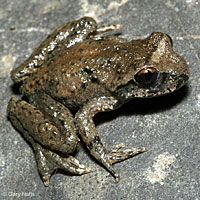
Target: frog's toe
x: 118, y: 147
x: 117, y: 156
x: 46, y: 180
x: 75, y: 167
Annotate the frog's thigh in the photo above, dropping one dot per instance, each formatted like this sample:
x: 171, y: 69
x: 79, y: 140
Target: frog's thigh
x: 43, y: 130
x: 61, y: 117
x: 47, y: 160
x: 84, y: 120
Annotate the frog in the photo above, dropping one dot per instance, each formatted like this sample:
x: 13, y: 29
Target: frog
x: 78, y: 67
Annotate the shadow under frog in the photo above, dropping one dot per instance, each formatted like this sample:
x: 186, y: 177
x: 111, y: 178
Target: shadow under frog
x: 76, y: 69
x: 143, y: 106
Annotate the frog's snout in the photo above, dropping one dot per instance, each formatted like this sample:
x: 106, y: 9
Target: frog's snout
x: 182, y: 80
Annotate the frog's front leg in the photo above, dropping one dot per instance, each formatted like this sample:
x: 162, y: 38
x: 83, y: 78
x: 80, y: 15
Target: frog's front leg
x: 88, y: 132
x: 51, y: 132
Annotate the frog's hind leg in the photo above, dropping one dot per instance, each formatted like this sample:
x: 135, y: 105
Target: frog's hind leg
x: 48, y: 162
x: 90, y: 136
x: 43, y: 135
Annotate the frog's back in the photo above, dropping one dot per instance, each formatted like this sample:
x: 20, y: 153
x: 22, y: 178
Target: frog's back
x: 86, y: 70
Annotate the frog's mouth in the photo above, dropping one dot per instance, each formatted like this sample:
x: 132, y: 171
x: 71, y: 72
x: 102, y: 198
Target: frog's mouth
x: 166, y: 83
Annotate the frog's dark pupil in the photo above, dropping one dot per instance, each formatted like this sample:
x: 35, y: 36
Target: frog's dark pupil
x: 148, y: 75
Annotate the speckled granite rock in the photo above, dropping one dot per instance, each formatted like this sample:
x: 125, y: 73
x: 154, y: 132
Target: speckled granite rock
x: 167, y: 126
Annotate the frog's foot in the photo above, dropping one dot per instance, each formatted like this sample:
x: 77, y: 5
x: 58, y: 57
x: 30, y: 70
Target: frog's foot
x: 49, y: 161
x: 115, y: 155
x: 109, y: 157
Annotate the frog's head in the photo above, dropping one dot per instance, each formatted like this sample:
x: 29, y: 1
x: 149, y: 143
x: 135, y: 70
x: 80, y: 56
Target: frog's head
x: 163, y: 73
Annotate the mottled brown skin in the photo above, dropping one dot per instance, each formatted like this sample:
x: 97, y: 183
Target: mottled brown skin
x: 74, y: 68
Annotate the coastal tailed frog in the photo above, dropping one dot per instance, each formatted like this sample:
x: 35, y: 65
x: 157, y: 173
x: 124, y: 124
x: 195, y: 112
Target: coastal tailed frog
x: 79, y: 68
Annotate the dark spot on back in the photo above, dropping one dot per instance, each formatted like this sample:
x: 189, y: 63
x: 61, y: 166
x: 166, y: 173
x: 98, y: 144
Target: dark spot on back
x: 94, y: 80
x: 80, y: 50
x: 51, y: 138
x: 87, y: 70
x: 31, y: 85
x: 37, y: 82
x: 84, y: 85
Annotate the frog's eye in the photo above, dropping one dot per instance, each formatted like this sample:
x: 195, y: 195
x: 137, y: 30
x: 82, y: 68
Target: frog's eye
x: 146, y: 77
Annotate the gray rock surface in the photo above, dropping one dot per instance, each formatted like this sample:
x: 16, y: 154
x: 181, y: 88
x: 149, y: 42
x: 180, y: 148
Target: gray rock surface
x: 167, y: 126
